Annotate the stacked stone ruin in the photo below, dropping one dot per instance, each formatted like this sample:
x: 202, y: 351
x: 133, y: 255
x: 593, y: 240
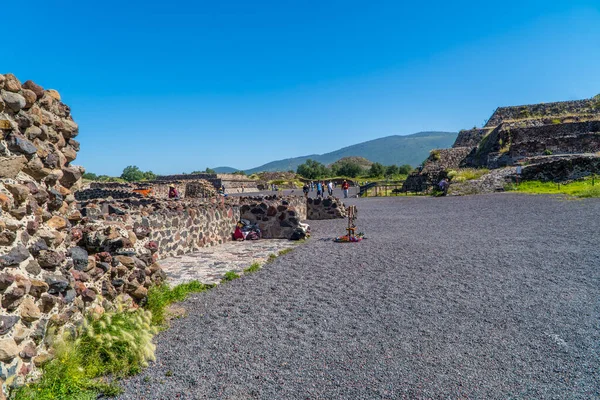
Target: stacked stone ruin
x: 66, y: 251
x: 552, y: 141
x: 56, y: 264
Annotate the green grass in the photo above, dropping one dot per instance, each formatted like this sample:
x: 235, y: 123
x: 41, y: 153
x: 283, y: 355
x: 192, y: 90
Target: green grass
x: 581, y: 188
x: 252, y: 268
x: 467, y: 174
x: 284, y: 251
x: 64, y: 378
x: 229, y: 276
x: 161, y: 296
x: 271, y: 258
x: 117, y: 343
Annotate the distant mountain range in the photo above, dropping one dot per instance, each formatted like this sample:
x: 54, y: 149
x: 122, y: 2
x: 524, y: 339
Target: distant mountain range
x: 397, y: 149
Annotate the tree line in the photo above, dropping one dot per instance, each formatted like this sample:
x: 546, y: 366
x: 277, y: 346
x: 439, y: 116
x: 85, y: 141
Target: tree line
x: 133, y: 173
x: 312, y: 169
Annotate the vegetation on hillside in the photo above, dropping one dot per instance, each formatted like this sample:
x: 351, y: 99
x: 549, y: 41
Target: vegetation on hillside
x: 397, y: 149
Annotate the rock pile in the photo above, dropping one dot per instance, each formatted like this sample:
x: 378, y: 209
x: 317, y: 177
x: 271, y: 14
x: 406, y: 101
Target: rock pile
x: 56, y: 263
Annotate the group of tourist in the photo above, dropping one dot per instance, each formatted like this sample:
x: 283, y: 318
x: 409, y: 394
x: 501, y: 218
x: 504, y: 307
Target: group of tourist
x: 321, y: 186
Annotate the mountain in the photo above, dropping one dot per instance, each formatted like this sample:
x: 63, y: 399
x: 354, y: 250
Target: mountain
x: 225, y: 170
x: 397, y: 149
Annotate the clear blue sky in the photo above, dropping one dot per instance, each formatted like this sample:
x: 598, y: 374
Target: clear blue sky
x: 175, y: 86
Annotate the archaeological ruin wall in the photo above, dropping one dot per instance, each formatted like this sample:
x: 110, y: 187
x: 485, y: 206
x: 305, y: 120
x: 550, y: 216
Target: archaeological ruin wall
x: 327, y: 208
x: 590, y: 107
x: 56, y: 264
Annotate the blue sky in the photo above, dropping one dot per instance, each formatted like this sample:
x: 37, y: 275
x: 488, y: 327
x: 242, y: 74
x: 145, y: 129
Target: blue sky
x: 182, y: 85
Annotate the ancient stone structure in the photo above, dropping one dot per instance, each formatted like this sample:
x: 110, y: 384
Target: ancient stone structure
x: 276, y: 217
x: 328, y: 208
x: 553, y: 141
x: 233, y: 183
x: 66, y: 252
x: 192, y: 188
x: 56, y: 264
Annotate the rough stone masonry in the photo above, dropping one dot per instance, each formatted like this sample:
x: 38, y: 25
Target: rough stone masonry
x: 55, y: 264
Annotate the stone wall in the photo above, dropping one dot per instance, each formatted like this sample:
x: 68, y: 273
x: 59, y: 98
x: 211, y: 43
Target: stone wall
x: 329, y: 208
x: 504, y: 114
x: 446, y: 158
x: 171, y: 227
x: 88, y: 194
x: 276, y: 217
x: 54, y: 262
x: 570, y: 138
x: 470, y: 137
x: 233, y: 183
x: 178, y: 227
x: 562, y: 169
x: 196, y: 188
x: 508, y: 143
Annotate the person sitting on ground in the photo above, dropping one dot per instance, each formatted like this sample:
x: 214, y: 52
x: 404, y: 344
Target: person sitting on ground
x: 238, y: 234
x: 173, y: 192
x: 444, y: 185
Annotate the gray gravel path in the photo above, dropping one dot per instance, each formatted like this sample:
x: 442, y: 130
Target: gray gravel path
x: 483, y: 297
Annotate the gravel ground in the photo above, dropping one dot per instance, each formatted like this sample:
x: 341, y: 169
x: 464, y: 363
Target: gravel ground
x: 483, y: 297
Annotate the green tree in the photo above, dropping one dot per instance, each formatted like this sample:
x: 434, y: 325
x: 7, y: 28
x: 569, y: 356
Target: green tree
x: 391, y: 170
x: 149, y: 175
x: 376, y: 170
x: 405, y: 169
x: 311, y: 169
x: 132, y: 174
x: 240, y: 172
x: 90, y: 176
x: 209, y: 171
x: 349, y: 169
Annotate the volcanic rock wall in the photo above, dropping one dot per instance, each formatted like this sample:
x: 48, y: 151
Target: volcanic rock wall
x: 329, y: 208
x: 54, y: 262
x: 276, y: 217
x: 541, y: 110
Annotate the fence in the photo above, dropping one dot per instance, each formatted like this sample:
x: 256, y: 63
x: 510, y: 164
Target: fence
x: 380, y: 189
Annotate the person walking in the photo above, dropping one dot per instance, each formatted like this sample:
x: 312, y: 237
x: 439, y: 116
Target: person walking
x: 330, y: 188
x: 319, y: 187
x: 345, y: 187
x: 305, y: 189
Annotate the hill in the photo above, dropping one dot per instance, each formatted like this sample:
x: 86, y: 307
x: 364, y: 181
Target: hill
x: 225, y: 170
x: 397, y: 149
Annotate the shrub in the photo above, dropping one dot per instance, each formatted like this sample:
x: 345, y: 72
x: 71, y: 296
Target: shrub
x: 547, y: 152
x: 64, y: 378
x: 118, y: 343
x: 556, y: 121
x: 435, y: 155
